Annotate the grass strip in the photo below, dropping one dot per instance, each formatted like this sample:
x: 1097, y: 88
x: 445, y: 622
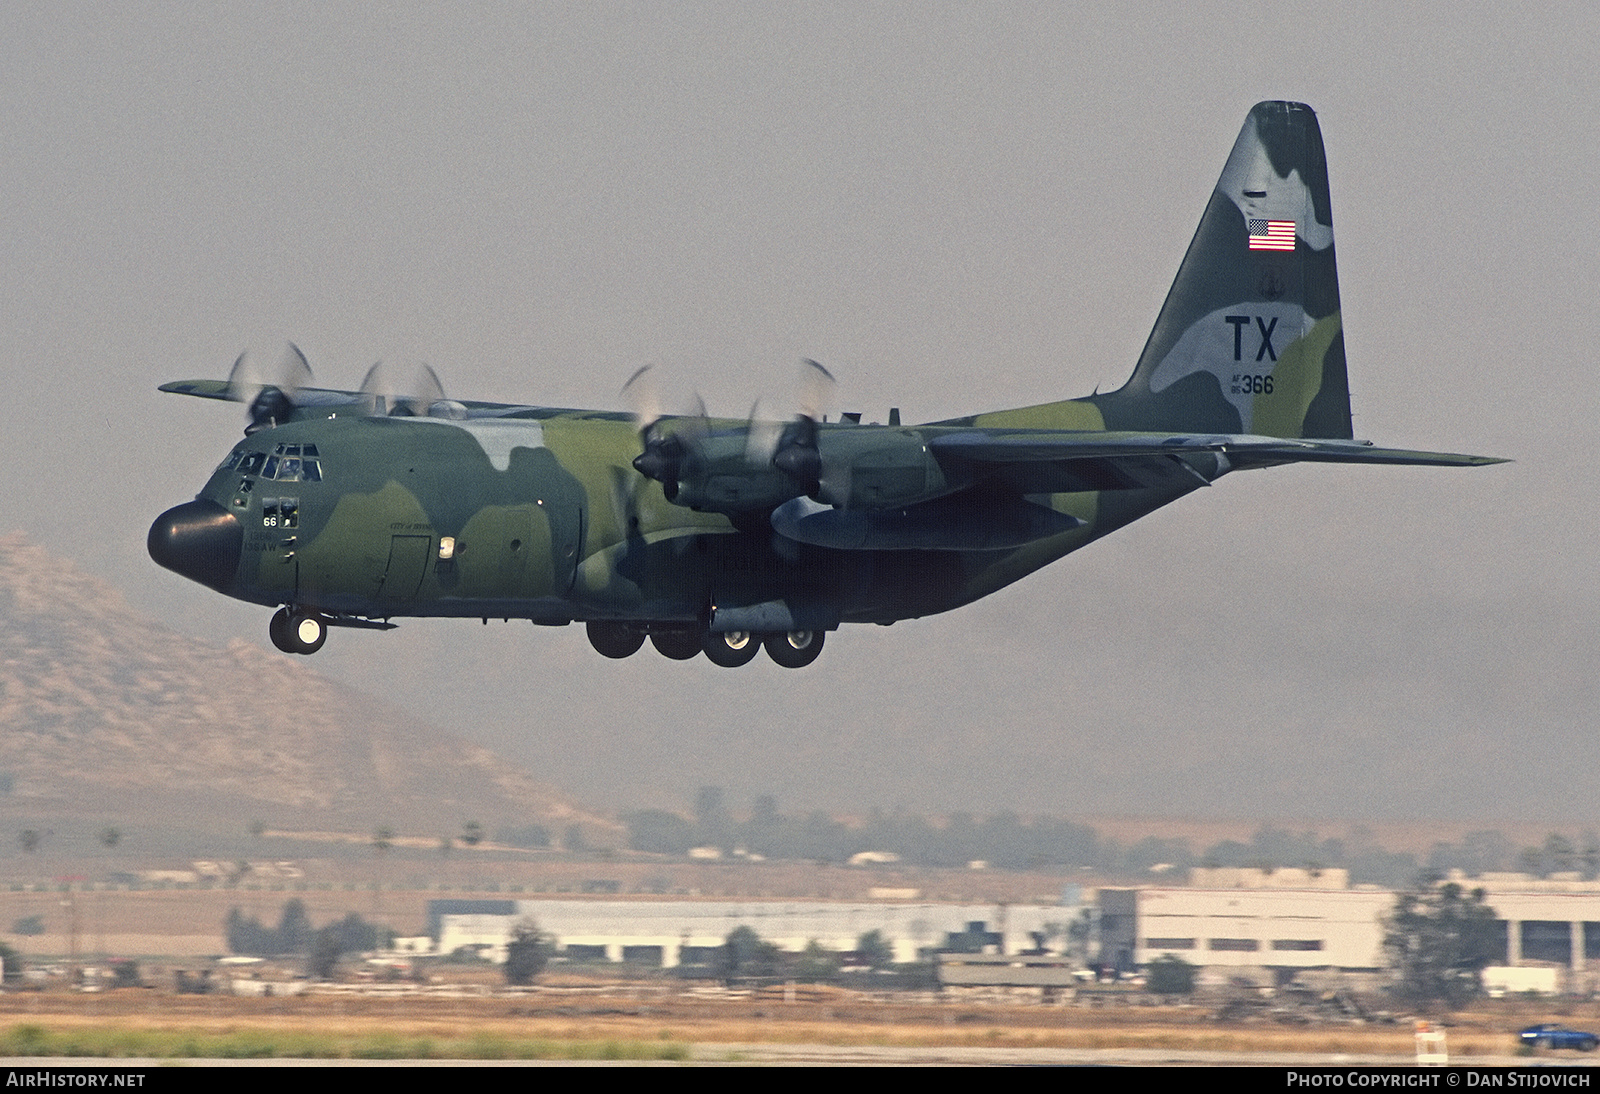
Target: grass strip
x: 33, y: 1039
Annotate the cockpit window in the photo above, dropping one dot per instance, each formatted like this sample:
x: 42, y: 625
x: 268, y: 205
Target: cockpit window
x: 293, y: 462
x: 287, y: 463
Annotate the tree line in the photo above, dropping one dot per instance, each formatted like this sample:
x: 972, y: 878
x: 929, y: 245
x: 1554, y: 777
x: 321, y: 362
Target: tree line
x: 295, y: 936
x: 1007, y: 841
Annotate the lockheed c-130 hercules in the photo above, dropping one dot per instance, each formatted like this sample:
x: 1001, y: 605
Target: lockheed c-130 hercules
x: 351, y: 509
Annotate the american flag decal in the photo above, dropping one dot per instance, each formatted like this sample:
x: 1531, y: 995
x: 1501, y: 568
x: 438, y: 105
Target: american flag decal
x: 1271, y: 235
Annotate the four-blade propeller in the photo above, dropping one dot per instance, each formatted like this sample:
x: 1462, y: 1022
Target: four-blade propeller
x: 269, y: 404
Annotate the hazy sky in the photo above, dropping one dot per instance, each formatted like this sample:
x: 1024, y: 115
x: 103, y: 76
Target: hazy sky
x: 956, y: 208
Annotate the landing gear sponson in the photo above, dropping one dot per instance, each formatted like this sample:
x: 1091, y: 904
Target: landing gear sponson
x: 730, y: 649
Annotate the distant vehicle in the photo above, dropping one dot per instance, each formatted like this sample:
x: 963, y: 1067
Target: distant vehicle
x: 1553, y: 1036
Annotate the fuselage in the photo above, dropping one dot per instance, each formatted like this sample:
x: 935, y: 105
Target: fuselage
x: 545, y: 518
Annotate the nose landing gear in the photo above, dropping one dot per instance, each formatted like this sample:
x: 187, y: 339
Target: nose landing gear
x: 297, y: 631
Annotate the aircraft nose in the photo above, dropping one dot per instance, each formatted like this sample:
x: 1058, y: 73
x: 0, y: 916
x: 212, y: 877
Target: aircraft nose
x: 200, y: 540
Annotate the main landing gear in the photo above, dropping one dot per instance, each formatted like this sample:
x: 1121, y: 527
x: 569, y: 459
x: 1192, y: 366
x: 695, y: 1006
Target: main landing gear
x: 303, y: 631
x: 298, y: 631
x: 730, y: 649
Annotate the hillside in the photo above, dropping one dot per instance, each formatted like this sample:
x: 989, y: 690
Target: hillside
x: 107, y: 717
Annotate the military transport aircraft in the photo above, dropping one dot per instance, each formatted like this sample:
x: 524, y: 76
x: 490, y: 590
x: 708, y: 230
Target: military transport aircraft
x: 353, y: 508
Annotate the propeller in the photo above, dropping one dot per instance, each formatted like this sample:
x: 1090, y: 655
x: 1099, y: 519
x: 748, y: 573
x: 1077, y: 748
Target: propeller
x: 269, y: 404
x: 663, y: 454
x: 643, y: 398
x: 375, y: 389
x: 796, y: 453
x: 816, y: 386
x: 761, y: 437
x: 427, y: 397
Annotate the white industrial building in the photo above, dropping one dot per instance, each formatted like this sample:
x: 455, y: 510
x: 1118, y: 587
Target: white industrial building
x: 667, y: 933
x: 1264, y: 924
x: 1278, y: 922
x: 1259, y: 928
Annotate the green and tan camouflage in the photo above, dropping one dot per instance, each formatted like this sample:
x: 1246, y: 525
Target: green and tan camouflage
x: 347, y: 508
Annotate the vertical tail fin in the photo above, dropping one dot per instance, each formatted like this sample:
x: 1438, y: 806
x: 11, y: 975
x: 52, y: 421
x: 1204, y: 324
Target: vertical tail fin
x: 1249, y: 339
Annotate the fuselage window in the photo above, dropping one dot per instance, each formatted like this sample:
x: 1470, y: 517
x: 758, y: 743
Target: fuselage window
x: 251, y: 464
x: 284, y: 512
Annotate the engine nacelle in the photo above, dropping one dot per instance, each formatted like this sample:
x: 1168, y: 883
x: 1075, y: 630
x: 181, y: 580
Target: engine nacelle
x: 716, y: 474
x: 847, y: 467
x: 867, y: 468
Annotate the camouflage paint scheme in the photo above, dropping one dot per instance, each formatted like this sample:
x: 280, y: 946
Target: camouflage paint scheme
x: 493, y: 510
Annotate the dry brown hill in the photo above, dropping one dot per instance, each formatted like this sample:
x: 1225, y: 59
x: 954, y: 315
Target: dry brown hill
x: 106, y: 714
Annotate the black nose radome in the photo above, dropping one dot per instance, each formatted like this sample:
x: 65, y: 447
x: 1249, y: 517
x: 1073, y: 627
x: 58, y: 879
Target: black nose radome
x: 200, y: 540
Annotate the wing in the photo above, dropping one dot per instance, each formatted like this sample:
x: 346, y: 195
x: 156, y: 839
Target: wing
x: 319, y: 399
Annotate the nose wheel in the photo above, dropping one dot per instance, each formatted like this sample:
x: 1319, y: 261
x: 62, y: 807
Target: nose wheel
x: 297, y: 631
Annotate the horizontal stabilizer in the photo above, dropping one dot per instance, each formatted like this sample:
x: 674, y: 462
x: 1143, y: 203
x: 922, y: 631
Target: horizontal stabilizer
x: 1271, y: 452
x: 1049, y: 461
